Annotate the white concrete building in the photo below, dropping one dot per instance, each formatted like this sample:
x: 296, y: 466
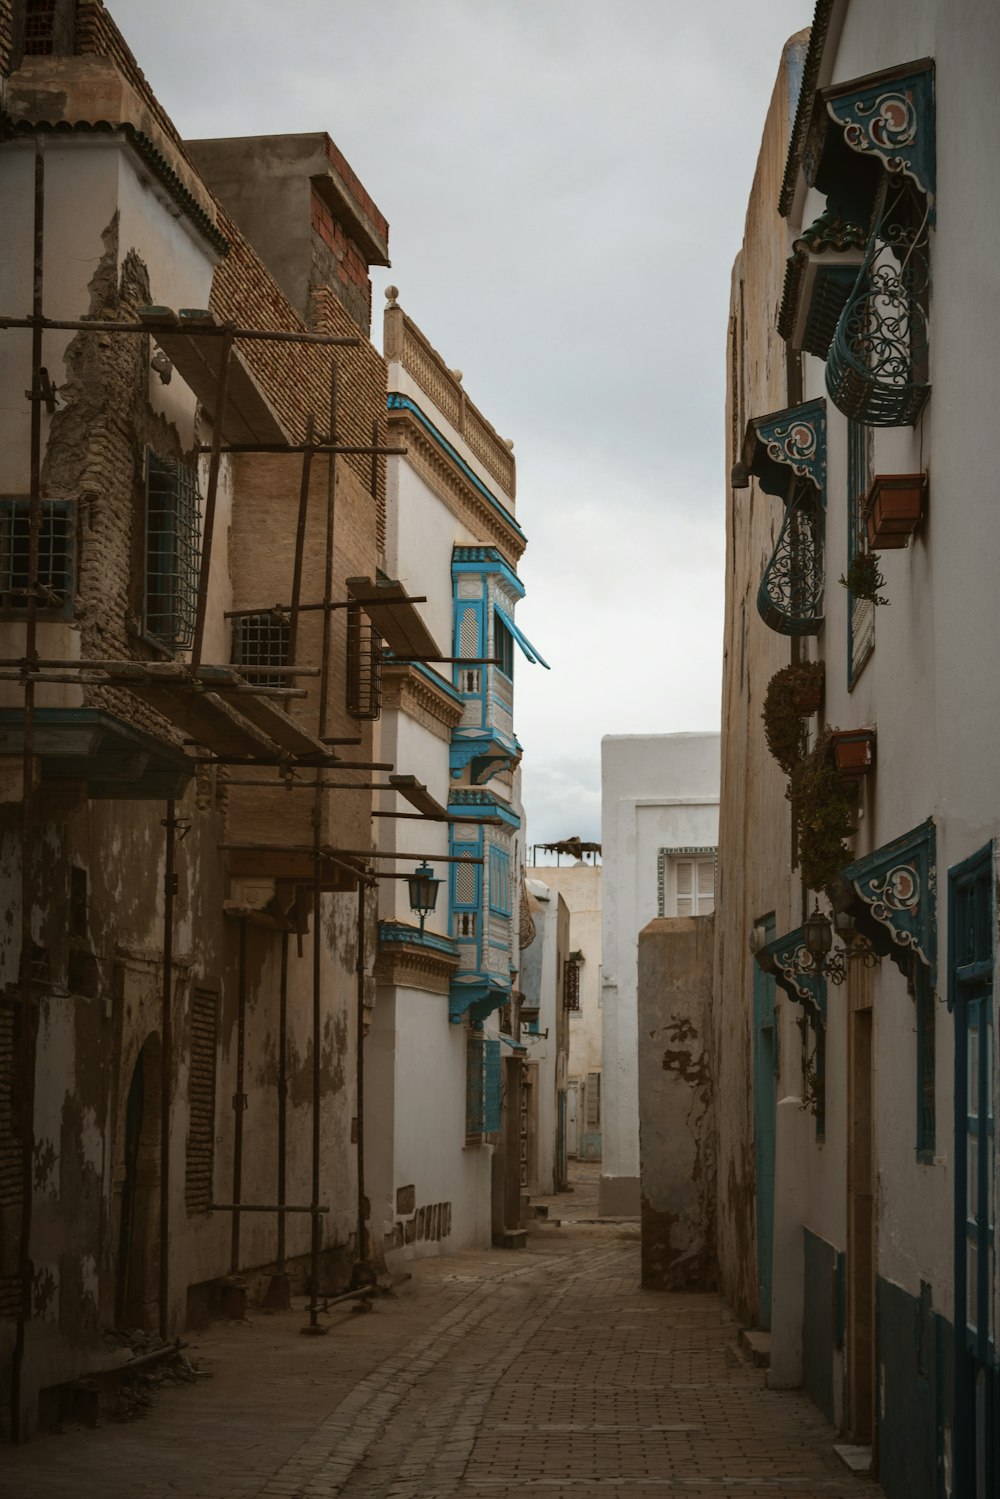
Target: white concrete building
x: 859, y: 452
x: 580, y: 887
x: 434, y: 1052
x: 659, y: 821
x: 543, y: 1035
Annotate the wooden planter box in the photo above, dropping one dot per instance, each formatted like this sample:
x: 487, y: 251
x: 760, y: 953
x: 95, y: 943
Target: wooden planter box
x: 853, y: 751
x: 894, y: 507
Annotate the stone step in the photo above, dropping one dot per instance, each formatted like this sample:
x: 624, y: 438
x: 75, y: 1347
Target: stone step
x: 757, y: 1346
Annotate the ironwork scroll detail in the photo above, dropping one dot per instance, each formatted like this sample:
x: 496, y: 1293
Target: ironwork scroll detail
x: 797, y: 438
x: 877, y: 364
x: 790, y: 596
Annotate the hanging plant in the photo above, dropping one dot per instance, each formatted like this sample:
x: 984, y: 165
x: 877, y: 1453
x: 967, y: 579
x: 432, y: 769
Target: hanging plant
x: 793, y: 693
x: 823, y: 810
x: 864, y: 578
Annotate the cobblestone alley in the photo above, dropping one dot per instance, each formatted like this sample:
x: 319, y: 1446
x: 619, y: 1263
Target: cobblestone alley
x: 489, y: 1374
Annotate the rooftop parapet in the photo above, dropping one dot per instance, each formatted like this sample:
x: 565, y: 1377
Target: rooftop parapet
x: 405, y: 344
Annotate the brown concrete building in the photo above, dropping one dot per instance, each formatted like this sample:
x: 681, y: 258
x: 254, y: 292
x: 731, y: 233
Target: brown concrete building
x: 185, y: 755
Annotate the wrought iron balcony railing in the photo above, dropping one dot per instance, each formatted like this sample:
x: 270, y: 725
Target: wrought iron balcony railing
x: 876, y: 370
x: 790, y: 596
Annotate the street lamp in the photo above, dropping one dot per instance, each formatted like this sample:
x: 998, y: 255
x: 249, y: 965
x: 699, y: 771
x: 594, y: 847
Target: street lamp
x: 423, y: 891
x: 819, y: 937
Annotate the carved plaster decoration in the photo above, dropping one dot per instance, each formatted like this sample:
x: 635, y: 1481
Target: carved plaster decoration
x: 793, y: 439
x: 897, y: 886
x: 893, y: 120
x: 795, y: 971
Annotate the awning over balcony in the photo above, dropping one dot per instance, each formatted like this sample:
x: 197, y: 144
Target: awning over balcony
x: 113, y: 760
x: 892, y: 893
x: 794, y: 969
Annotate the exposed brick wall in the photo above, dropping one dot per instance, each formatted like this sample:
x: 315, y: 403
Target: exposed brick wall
x: 97, y: 35
x: 296, y: 377
x: 356, y: 188
x: 351, y: 265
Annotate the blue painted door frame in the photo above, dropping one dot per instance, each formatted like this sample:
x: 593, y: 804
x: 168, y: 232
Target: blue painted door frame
x: 765, y: 1060
x: 970, y: 982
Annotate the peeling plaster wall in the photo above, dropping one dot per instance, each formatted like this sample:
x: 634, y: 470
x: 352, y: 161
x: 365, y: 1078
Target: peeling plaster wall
x: 677, y: 1144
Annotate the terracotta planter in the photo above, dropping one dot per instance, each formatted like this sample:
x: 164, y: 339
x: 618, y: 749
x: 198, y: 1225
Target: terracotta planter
x: 894, y: 507
x: 853, y: 751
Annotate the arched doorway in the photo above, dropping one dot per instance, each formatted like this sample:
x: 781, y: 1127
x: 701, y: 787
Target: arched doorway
x: 137, y: 1266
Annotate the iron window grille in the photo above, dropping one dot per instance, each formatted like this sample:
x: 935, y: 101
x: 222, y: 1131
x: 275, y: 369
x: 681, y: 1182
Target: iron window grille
x: 261, y: 640
x: 173, y: 549
x: 482, y: 1086
x: 364, y: 666
x: 39, y: 27
x: 56, y: 557
x: 571, y: 985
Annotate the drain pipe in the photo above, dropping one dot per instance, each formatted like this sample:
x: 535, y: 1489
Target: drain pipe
x: 166, y: 1055
x: 239, y: 1102
x: 363, y: 1268
x: 282, y: 1098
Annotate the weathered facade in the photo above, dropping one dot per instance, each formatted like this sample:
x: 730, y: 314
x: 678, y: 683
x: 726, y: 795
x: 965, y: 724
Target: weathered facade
x: 190, y: 933
x: 856, y: 1086
x: 580, y: 886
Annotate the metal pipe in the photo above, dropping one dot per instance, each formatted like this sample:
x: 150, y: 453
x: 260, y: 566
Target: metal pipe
x: 218, y: 418
x: 282, y: 1099
x: 300, y: 546
x: 205, y: 330
x: 265, y: 1207
x: 305, y: 671
x: 338, y: 854
x: 314, y: 1243
x: 360, y: 1100
x: 166, y: 1053
x: 26, y: 1039
x: 239, y: 1102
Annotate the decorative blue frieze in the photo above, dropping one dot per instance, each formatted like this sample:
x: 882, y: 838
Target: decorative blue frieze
x: 486, y: 755
x: 402, y: 934
x: 794, y: 969
x: 892, y: 120
x: 397, y: 402
x: 895, y: 890
x: 485, y: 560
x: 473, y: 805
x: 791, y: 441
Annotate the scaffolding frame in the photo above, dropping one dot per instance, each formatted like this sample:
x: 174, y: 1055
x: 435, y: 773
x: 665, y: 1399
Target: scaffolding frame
x: 194, y: 680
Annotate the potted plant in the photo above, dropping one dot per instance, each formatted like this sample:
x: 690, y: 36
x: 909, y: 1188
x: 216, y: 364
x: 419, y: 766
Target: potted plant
x: 793, y: 693
x: 823, y: 809
x: 894, y: 507
x: 853, y: 751
x: 864, y: 578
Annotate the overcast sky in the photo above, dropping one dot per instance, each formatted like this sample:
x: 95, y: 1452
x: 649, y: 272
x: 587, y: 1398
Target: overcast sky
x: 565, y: 183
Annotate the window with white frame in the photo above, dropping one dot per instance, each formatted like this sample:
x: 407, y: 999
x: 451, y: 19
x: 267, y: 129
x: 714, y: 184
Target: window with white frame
x: 686, y: 881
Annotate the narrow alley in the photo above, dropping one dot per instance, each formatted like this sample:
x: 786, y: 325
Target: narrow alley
x: 488, y: 1373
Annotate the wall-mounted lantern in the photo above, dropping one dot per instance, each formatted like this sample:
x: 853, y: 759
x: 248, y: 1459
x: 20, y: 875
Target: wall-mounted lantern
x: 423, y: 891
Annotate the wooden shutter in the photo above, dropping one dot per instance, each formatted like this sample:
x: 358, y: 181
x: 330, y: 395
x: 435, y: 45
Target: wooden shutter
x: 201, y: 1100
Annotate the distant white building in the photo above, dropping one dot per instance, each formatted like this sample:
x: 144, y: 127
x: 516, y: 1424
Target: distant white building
x: 660, y: 823
x: 544, y: 1041
x: 580, y: 887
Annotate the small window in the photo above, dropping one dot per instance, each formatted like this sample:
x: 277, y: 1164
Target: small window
x: 592, y: 1101
x: 503, y: 647
x: 172, y: 552
x: 482, y: 1091
x: 693, y: 886
x: 261, y: 640
x: 56, y: 557
x: 200, y: 1173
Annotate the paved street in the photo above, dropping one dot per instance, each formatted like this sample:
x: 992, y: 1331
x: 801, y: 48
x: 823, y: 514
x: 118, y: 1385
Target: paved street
x: 491, y: 1374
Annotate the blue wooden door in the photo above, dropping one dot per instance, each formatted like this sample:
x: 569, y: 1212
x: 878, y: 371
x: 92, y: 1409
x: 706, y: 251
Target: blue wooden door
x: 765, y: 1059
x: 977, y: 1406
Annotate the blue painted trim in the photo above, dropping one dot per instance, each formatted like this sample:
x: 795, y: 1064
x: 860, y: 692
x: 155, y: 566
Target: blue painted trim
x: 795, y: 971
x: 477, y: 999
x: 435, y: 678
x: 791, y: 439
x: 397, y: 402
x: 485, y: 560
x: 401, y: 934
x: 471, y: 805
x: 533, y: 654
